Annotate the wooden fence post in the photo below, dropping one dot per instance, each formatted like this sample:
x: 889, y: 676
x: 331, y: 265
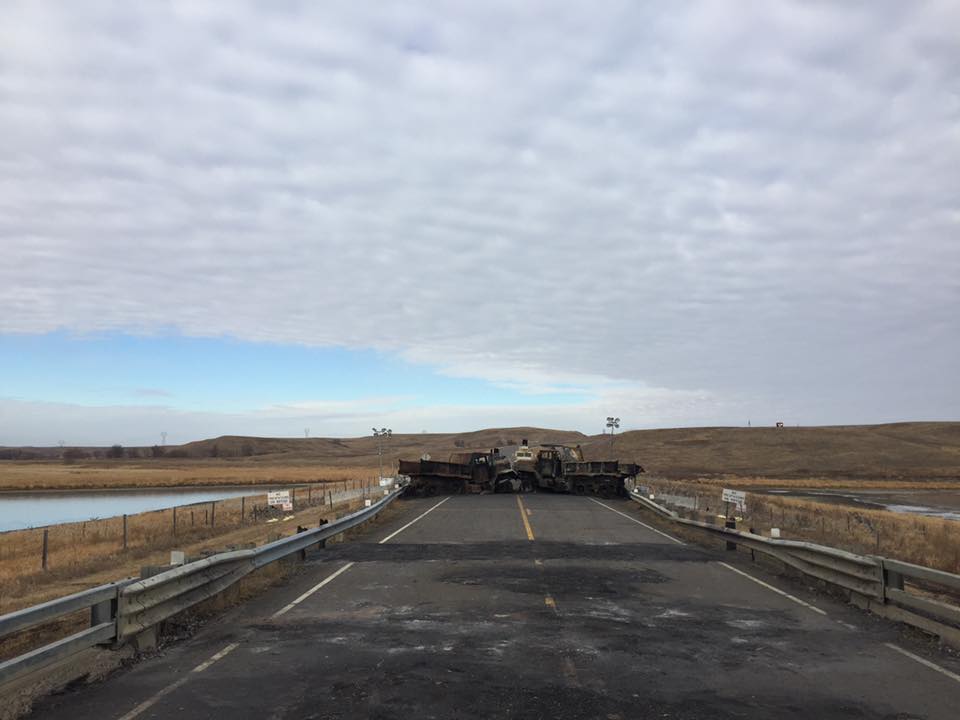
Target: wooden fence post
x: 213, y: 509
x: 124, y: 531
x: 174, y: 520
x: 243, y: 509
x: 43, y: 554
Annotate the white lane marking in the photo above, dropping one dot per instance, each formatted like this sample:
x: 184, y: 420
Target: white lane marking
x: 312, y: 590
x: 778, y: 591
x: 151, y: 701
x: 658, y: 532
x: 213, y: 658
x: 349, y: 565
x: 924, y: 661
x: 416, y: 519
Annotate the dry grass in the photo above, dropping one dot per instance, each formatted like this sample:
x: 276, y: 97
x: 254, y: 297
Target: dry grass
x: 933, y: 542
x: 41, y: 588
x: 825, y: 483
x: 104, y: 475
x: 896, y: 451
x: 76, y: 549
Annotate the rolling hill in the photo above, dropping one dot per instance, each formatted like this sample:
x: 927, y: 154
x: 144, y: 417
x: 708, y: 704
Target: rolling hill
x: 905, y: 451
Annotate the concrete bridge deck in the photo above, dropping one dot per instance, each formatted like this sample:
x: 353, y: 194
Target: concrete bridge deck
x: 533, y: 606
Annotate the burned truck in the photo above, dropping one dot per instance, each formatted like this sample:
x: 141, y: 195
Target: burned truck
x: 556, y: 468
x: 561, y: 468
x: 473, y: 472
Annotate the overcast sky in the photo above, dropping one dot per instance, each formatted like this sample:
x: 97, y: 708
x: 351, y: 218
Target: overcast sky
x: 450, y: 215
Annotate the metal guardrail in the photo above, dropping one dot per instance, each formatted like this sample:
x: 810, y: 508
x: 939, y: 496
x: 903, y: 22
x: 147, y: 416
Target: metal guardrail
x: 146, y: 603
x: 875, y: 583
x: 121, y: 610
x: 100, y: 601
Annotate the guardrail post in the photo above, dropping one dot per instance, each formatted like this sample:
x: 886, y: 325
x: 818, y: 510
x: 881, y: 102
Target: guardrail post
x: 104, y: 612
x: 732, y: 524
x: 890, y: 579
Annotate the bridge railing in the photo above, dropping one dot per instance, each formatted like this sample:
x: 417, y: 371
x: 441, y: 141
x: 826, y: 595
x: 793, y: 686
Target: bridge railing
x: 122, y: 611
x: 100, y: 601
x: 912, y: 594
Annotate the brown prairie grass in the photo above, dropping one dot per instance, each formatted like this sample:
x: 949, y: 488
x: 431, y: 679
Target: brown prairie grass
x: 166, y: 473
x: 828, y: 483
x: 933, y: 542
x: 76, y: 549
x: 41, y: 588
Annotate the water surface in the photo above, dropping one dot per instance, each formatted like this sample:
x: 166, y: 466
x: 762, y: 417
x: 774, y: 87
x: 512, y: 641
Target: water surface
x: 19, y: 510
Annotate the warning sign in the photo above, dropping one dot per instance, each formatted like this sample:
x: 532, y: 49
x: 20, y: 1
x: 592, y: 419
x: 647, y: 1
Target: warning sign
x: 737, y: 497
x: 280, y: 498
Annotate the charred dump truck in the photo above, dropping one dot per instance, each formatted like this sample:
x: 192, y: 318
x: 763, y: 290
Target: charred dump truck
x: 556, y: 468
x: 474, y: 472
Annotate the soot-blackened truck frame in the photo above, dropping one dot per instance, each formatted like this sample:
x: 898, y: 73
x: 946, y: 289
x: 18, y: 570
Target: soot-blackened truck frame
x: 557, y: 468
x: 561, y: 468
x: 474, y: 472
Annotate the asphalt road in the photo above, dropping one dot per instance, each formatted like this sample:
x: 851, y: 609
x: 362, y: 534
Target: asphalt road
x: 542, y: 606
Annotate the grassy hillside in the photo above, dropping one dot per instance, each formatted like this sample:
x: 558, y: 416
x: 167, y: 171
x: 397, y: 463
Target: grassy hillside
x: 897, y: 451
x: 901, y: 451
x: 363, y: 450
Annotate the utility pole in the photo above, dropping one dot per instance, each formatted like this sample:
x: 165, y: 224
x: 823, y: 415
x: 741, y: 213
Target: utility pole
x: 380, y: 435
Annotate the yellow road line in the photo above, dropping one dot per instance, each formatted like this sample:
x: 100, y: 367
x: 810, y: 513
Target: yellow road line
x: 523, y: 516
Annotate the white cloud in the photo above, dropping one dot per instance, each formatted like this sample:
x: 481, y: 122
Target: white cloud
x: 759, y: 205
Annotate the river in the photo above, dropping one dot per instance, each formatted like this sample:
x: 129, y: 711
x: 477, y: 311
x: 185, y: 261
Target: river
x: 922, y: 501
x: 20, y: 510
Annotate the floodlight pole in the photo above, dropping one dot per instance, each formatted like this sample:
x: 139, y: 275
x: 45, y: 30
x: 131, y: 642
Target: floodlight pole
x: 613, y: 423
x: 379, y: 435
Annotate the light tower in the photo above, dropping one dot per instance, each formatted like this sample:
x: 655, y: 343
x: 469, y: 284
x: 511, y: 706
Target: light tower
x: 613, y: 423
x: 380, y: 435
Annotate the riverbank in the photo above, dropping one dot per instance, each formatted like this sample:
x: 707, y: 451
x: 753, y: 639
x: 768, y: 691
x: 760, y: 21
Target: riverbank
x: 36, y: 560
x: 33, y: 589
x: 167, y: 473
x: 31, y: 509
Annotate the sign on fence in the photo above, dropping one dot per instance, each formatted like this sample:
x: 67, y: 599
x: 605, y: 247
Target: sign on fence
x: 279, y: 497
x: 737, y: 497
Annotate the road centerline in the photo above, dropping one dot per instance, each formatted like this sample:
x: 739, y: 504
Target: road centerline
x: 526, y: 520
